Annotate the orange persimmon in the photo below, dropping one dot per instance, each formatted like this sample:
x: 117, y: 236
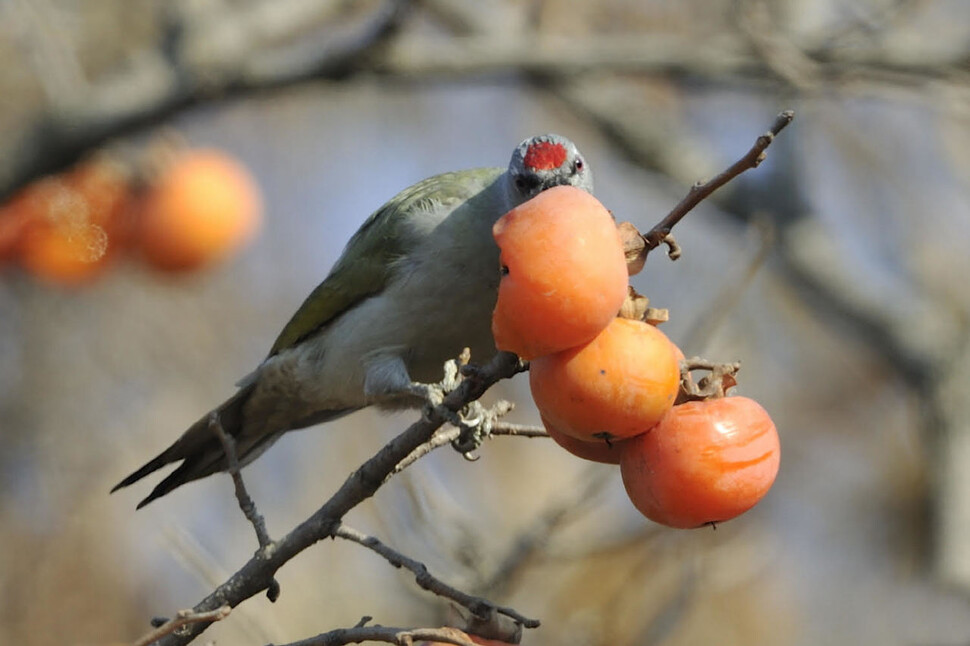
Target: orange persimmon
x: 564, y: 273
x: 595, y: 451
x: 616, y: 386
x: 58, y: 241
x: 705, y: 462
x: 106, y: 189
x: 201, y: 209
x: 64, y: 253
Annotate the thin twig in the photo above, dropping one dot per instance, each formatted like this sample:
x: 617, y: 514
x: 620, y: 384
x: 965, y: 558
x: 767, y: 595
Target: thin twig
x: 448, y: 436
x: 701, y: 190
x: 246, y: 503
x: 388, y: 635
x: 443, y: 437
x: 481, y: 608
x: 182, y: 618
x: 518, y: 430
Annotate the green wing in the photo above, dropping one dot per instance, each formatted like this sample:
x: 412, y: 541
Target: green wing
x: 364, y: 267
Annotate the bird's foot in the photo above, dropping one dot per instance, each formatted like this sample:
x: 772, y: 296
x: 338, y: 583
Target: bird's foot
x: 476, y: 426
x: 433, y: 396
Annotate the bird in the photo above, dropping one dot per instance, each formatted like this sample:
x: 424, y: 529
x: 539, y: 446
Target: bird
x: 414, y: 286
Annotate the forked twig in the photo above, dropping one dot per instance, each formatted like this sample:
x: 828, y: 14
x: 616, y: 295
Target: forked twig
x: 246, y: 503
x: 660, y: 234
x: 482, y: 609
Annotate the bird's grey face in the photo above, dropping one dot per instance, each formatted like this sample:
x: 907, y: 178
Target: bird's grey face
x: 546, y: 161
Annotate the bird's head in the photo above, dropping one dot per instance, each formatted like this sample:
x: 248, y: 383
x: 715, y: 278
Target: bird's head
x: 545, y: 161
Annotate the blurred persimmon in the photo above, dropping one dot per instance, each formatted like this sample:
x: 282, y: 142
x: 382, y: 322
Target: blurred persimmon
x: 59, y: 243
x: 202, y: 208
x: 64, y: 253
x: 63, y: 228
x: 106, y: 188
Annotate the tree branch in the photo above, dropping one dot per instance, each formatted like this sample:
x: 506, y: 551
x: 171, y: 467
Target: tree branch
x: 246, y: 503
x: 246, y: 48
x: 182, y: 618
x: 481, y: 608
x: 700, y: 191
x: 258, y: 573
x: 386, y: 634
x: 271, y: 44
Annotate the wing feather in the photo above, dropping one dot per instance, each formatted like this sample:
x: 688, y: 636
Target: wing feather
x: 363, y: 268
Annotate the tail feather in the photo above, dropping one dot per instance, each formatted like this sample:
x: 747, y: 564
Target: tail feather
x: 202, y: 453
x: 199, y: 447
x: 186, y: 472
x: 148, y: 468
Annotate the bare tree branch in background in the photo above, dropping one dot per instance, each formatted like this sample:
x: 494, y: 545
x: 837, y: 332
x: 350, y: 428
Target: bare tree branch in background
x: 206, y: 56
x: 209, y: 55
x: 534, y: 539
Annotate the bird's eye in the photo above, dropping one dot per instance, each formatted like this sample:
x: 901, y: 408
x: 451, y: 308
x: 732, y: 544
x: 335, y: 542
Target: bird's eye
x: 578, y: 164
x: 520, y: 183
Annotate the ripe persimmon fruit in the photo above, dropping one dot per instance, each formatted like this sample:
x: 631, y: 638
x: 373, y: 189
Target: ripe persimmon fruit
x: 64, y: 226
x: 705, y: 462
x: 615, y: 386
x: 58, y: 242
x: 202, y: 208
x: 564, y: 273
x: 595, y: 451
x: 106, y: 189
x: 64, y: 254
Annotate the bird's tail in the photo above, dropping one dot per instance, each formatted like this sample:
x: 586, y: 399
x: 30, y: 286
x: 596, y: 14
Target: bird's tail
x: 200, y: 450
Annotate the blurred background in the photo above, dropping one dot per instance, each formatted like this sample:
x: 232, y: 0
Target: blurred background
x: 836, y: 272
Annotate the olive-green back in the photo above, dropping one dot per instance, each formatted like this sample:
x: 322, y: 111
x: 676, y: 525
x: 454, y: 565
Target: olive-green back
x: 364, y: 266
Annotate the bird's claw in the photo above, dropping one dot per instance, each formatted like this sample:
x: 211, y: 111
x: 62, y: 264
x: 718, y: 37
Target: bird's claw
x: 476, y: 425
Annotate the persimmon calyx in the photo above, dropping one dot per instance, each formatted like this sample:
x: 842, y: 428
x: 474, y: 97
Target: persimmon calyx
x: 637, y: 307
x: 721, y: 378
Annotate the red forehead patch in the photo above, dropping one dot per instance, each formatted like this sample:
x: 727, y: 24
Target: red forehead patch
x: 545, y: 155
